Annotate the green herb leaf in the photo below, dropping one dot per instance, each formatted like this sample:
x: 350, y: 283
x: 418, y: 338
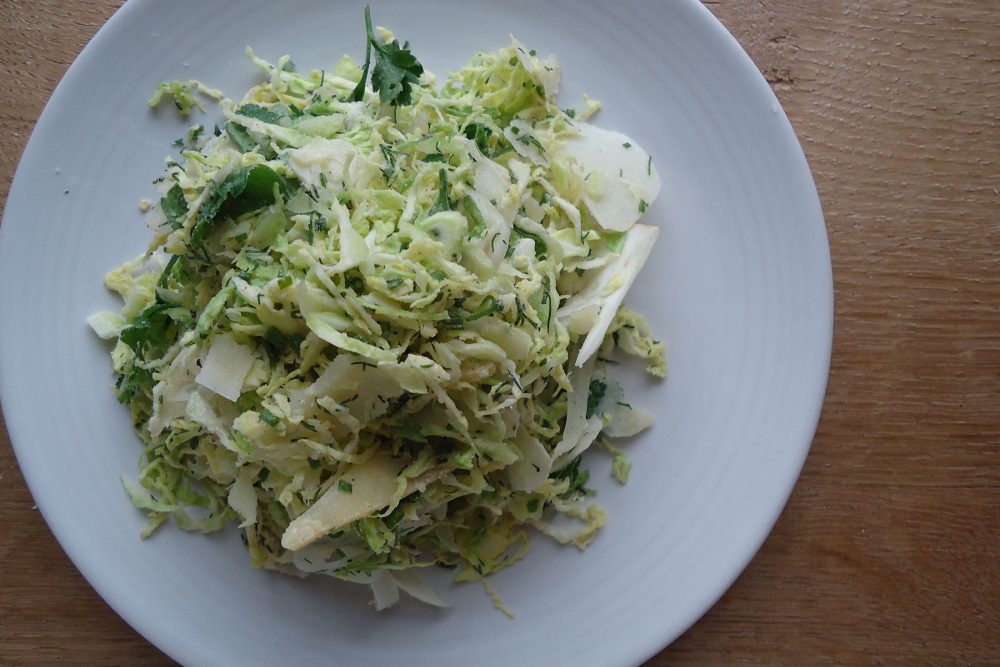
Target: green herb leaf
x: 488, y: 306
x: 194, y: 133
x: 240, y: 137
x: 345, y: 486
x: 150, y: 330
x: 132, y: 382
x: 577, y: 478
x: 174, y: 206
x: 596, y: 395
x: 472, y: 211
x: 396, y: 69
x: 269, y: 417
x: 442, y: 203
x: 260, y: 113
x: 480, y: 134
x: 246, y: 189
x: 177, y: 268
x: 389, y: 153
x: 409, y: 429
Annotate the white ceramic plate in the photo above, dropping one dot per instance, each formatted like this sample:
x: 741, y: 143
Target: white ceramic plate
x: 739, y: 285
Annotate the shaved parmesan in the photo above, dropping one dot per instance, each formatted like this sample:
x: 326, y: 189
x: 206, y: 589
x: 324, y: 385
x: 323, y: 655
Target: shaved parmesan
x: 372, y: 484
x: 225, y: 367
x: 628, y: 182
x: 533, y: 465
x: 243, y: 498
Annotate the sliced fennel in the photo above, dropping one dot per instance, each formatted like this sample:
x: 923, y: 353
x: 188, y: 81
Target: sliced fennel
x: 373, y: 328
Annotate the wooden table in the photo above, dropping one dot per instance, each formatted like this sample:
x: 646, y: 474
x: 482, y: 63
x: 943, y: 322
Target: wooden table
x: 888, y: 548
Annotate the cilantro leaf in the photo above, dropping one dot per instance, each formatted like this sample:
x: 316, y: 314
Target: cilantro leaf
x: 240, y: 137
x: 150, y: 330
x: 260, y: 113
x: 132, y: 382
x: 577, y: 478
x: 176, y: 269
x: 480, y: 134
x: 396, y: 69
x: 246, y: 189
x: 174, y: 206
x: 596, y: 395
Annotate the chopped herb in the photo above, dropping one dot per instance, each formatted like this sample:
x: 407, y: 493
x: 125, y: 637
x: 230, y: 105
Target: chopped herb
x: 480, y: 134
x: 442, y: 203
x: 174, y: 206
x: 531, y: 140
x: 596, y: 395
x: 260, y: 113
x: 345, y: 487
x: 269, y: 417
x: 577, y: 478
x: 472, y: 211
x: 194, y: 133
x: 389, y: 153
x: 488, y: 306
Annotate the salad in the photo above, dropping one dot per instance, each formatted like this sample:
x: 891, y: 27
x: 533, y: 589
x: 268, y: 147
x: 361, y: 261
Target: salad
x: 377, y: 322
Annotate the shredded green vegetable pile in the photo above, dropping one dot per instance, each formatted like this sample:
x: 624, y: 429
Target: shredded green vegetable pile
x: 374, y: 323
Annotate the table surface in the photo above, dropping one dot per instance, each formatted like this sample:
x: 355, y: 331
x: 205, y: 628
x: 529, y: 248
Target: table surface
x: 888, y: 548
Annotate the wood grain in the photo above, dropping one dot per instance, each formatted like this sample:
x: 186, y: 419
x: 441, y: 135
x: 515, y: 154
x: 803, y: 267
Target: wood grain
x: 887, y: 550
